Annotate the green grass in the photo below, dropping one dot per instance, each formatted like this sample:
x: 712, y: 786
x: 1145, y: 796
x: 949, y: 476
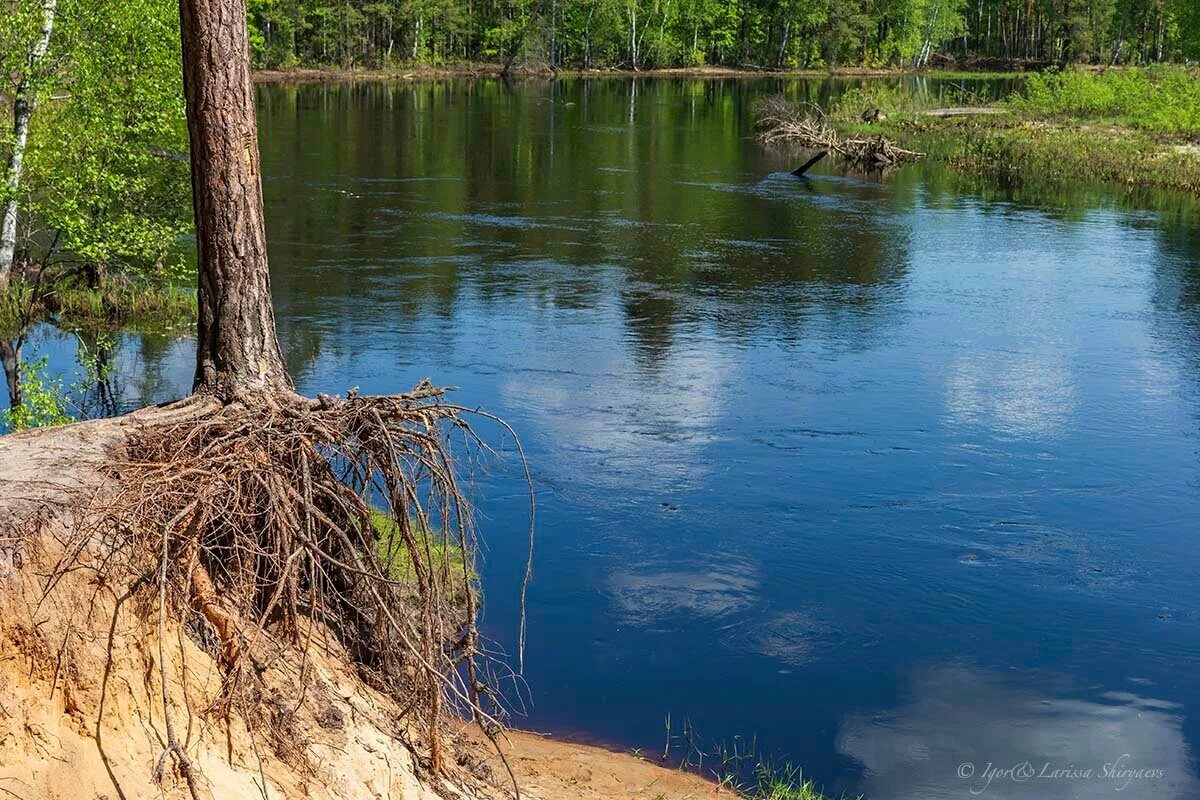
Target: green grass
x: 786, y: 783
x: 122, y: 302
x: 1164, y: 99
x: 14, y: 305
x: 1048, y: 155
x: 394, y: 555
x: 117, y: 302
x: 1133, y: 128
x: 898, y: 102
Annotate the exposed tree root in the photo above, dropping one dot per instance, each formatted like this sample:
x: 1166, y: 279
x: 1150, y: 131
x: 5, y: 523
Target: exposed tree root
x: 256, y: 515
x: 806, y: 124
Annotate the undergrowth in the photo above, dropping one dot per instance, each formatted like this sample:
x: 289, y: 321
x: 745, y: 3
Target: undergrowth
x: 121, y: 302
x: 1163, y: 98
x: 44, y: 401
x: 898, y: 100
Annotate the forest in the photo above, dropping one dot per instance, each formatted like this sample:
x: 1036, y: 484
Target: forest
x: 644, y: 34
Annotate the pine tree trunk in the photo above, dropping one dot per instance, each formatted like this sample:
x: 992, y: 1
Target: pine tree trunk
x: 236, y: 349
x: 24, y: 104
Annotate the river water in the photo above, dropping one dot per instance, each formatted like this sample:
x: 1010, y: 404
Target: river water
x: 891, y: 479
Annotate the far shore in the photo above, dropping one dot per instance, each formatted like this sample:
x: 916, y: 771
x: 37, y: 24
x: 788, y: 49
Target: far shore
x: 486, y: 70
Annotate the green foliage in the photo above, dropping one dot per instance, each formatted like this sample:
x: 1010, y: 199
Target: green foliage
x: 1159, y: 98
x: 1056, y: 155
x: 108, y: 169
x: 894, y: 99
x: 1133, y: 127
x: 115, y: 302
x: 16, y: 305
x: 671, y: 33
x: 124, y: 302
x: 44, y: 401
x: 106, y: 172
x: 96, y: 369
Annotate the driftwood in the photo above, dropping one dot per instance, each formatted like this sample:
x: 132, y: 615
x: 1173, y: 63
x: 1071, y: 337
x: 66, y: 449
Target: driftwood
x: 807, y: 125
x: 963, y: 111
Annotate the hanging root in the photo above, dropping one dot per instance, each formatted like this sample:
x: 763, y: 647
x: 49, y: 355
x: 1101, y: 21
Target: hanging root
x: 807, y: 125
x: 266, y: 514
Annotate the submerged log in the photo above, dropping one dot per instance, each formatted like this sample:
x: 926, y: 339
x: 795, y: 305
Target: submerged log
x: 803, y: 168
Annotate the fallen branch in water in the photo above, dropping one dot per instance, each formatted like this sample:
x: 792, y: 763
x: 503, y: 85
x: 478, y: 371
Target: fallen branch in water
x: 807, y: 124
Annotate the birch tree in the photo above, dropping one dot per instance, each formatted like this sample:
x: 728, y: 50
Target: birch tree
x: 25, y: 98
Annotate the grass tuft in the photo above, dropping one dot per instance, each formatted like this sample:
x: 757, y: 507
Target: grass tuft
x: 397, y: 559
x: 786, y: 783
x: 116, y: 302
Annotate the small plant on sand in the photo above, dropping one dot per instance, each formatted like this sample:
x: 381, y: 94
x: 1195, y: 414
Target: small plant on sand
x: 789, y: 786
x: 787, y: 783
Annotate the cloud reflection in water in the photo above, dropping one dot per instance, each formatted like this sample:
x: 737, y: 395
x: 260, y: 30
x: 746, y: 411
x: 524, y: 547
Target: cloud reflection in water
x: 960, y: 720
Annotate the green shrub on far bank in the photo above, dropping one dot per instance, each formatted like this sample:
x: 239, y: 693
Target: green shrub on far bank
x: 899, y: 100
x: 123, y: 302
x: 1049, y: 155
x: 1165, y: 99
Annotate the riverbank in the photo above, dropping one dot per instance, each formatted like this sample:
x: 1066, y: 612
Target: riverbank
x: 1136, y: 129
x: 549, y: 769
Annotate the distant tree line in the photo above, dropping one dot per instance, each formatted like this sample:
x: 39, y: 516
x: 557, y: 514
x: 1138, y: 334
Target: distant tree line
x: 766, y: 33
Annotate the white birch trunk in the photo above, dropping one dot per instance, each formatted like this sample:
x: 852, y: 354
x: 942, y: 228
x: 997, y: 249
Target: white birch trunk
x: 24, y: 104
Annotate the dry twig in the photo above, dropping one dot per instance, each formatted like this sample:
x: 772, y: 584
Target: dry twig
x: 806, y: 123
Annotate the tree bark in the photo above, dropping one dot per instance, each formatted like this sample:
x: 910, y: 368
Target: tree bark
x: 237, y: 352
x: 24, y: 104
x: 10, y: 356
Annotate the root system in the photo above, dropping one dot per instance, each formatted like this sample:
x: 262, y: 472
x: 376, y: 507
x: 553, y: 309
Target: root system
x: 257, y: 517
